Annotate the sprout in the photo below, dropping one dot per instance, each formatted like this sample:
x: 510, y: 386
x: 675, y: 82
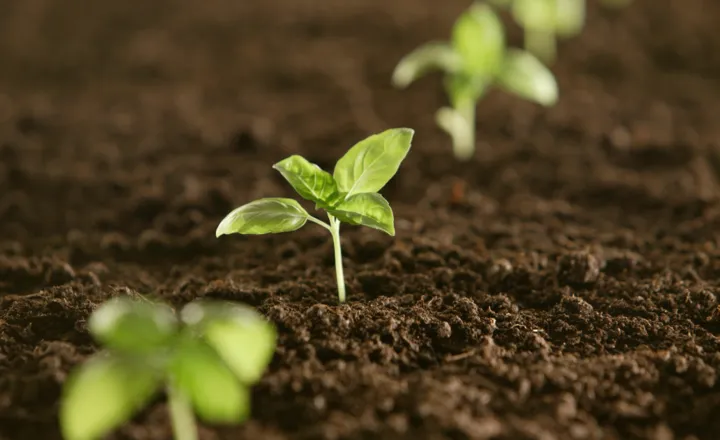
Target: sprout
x: 206, y: 361
x: 475, y: 60
x: 544, y: 20
x: 349, y: 195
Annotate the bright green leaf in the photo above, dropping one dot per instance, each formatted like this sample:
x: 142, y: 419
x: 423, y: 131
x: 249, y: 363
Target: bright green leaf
x: 368, y: 209
x: 102, y: 394
x: 264, y: 216
x: 569, y: 17
x: 525, y: 76
x: 433, y: 55
x: 243, y: 338
x: 372, y: 162
x: 215, y: 393
x: 478, y: 36
x: 308, y: 179
x: 133, y: 326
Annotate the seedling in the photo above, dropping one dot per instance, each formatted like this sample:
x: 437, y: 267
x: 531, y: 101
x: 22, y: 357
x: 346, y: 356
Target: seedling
x: 545, y: 20
x: 206, y: 360
x: 475, y: 60
x: 349, y: 195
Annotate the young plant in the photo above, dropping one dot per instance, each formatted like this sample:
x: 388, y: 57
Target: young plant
x: 545, y: 20
x: 349, y: 195
x: 475, y: 60
x: 206, y: 360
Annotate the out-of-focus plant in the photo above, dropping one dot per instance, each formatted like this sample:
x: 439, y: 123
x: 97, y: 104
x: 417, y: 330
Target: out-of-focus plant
x: 206, y: 361
x: 473, y: 61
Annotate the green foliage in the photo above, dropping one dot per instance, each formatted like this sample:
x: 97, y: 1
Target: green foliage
x: 349, y: 195
x: 475, y: 60
x: 148, y: 347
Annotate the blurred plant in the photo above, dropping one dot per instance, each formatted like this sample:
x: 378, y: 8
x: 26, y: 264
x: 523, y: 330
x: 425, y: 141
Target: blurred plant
x: 206, y: 360
x: 349, y: 195
x: 544, y: 21
x: 475, y: 60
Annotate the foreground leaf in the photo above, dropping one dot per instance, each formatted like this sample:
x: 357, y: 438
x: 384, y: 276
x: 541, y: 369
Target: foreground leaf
x: 308, y: 179
x: 525, y: 76
x: 478, y: 36
x: 133, y: 326
x: 215, y: 393
x: 243, y: 338
x: 264, y: 216
x: 102, y: 394
x: 430, y: 56
x: 371, y: 163
x: 370, y: 210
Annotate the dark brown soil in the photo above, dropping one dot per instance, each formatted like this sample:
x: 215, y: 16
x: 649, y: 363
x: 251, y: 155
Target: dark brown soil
x: 562, y: 286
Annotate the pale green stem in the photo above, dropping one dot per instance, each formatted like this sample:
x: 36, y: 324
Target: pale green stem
x: 542, y: 44
x: 181, y: 415
x: 464, y: 145
x: 320, y: 222
x: 335, y: 231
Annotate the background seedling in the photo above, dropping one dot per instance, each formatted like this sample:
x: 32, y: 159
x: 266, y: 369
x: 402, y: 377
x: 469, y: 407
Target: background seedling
x: 349, y: 195
x: 474, y: 60
x: 206, y: 360
x: 544, y: 21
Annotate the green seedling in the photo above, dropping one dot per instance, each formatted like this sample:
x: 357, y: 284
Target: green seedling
x: 206, y: 359
x: 544, y: 21
x: 349, y: 195
x: 475, y: 60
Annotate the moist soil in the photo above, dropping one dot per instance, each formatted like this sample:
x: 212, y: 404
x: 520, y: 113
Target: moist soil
x: 561, y: 285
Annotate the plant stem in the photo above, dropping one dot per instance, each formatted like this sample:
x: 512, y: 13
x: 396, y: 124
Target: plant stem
x: 320, y: 222
x: 181, y: 415
x: 335, y: 231
x: 542, y: 44
x: 464, y: 147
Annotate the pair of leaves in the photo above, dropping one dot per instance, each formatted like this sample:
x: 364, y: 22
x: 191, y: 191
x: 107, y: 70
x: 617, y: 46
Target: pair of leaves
x: 220, y: 349
x: 349, y: 194
x: 478, y: 59
x: 476, y: 50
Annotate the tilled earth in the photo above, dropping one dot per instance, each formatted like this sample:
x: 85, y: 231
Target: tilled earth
x: 563, y: 285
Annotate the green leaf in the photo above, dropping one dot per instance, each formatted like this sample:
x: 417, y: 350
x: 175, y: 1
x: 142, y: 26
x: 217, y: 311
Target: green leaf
x: 215, y: 393
x: 368, y: 209
x: 133, y: 326
x: 243, y: 338
x: 433, y: 55
x: 535, y: 14
x: 478, y: 36
x: 569, y: 17
x: 372, y: 162
x: 308, y: 179
x: 525, y: 76
x: 102, y: 394
x: 264, y: 216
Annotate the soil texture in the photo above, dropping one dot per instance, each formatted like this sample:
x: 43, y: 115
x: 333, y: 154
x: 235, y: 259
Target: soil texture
x: 562, y: 285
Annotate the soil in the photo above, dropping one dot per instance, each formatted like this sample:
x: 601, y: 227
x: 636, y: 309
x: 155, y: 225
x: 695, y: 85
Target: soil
x: 562, y: 285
